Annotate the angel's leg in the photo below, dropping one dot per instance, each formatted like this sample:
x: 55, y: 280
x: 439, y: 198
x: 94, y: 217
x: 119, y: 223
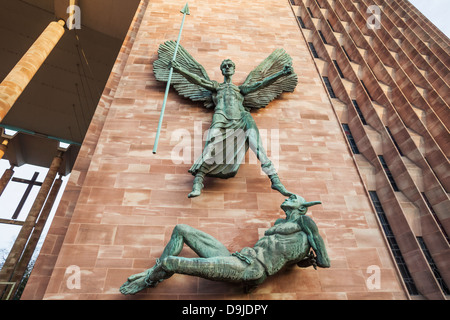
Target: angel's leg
x: 267, y: 166
x: 197, y: 185
x: 257, y: 147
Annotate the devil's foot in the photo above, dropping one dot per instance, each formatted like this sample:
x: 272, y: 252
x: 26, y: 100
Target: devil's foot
x: 149, y: 278
x: 137, y: 276
x: 134, y: 284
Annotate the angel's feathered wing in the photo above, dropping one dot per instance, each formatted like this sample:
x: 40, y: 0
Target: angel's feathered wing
x: 183, y: 87
x: 271, y: 65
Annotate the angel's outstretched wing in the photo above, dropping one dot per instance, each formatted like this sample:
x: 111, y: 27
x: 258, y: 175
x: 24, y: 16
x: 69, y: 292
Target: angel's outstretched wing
x: 183, y: 87
x: 270, y: 66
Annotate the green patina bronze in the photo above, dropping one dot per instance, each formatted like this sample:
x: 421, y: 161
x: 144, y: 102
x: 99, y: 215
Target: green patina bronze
x: 233, y: 129
x: 292, y: 240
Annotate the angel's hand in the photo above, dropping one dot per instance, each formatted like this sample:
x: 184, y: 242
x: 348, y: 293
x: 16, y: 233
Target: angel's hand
x: 288, y: 70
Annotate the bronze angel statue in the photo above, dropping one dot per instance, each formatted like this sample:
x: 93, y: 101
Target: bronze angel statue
x: 232, y: 104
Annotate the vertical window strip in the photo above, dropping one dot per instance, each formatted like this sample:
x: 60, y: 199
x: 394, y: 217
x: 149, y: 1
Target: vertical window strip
x: 300, y: 20
x: 329, y: 23
x: 350, y: 138
x: 388, y: 173
x: 345, y: 51
x: 322, y: 36
x: 437, y: 177
x: 358, y: 110
x: 313, y: 50
x: 367, y: 91
x: 393, y: 140
x: 310, y: 12
x: 433, y: 266
x: 329, y: 87
x: 436, y: 218
x: 338, y: 69
x: 403, y: 268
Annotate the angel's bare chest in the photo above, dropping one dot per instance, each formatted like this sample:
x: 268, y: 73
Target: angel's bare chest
x: 228, y: 93
x: 228, y: 100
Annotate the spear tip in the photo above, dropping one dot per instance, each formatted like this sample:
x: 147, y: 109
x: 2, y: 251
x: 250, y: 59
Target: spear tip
x: 185, y: 10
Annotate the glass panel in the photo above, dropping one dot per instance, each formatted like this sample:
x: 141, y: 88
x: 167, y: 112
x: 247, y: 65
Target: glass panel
x: 408, y: 280
x: 8, y: 234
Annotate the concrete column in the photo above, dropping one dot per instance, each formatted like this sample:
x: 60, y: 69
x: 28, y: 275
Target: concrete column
x: 3, y: 147
x: 19, y: 77
x: 27, y: 228
x: 36, y: 233
x: 6, y: 177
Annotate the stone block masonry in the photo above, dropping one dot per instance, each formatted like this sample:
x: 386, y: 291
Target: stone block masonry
x: 123, y: 201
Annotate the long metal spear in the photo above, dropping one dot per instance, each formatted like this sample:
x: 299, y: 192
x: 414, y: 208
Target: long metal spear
x: 185, y: 12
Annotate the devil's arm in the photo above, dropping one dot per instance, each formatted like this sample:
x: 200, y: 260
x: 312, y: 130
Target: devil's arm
x: 283, y: 228
x: 315, y: 240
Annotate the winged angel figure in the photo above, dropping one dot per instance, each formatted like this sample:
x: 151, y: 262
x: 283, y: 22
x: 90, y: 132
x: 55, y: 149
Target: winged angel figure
x: 233, y: 129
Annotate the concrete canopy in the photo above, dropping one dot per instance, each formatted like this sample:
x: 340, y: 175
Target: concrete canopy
x: 61, y: 99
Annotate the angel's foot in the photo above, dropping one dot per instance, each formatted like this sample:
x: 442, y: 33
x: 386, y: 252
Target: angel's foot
x: 196, y: 188
x: 278, y: 186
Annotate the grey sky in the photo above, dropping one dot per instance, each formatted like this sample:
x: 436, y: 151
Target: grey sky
x: 12, y: 196
x: 437, y: 11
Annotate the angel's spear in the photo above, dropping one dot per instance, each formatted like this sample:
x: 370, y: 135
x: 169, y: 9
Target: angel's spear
x: 185, y: 12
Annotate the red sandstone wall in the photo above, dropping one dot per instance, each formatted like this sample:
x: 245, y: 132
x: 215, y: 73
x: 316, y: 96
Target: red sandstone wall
x: 130, y: 200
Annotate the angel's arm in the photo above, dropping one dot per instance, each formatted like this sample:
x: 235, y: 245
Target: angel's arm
x: 266, y: 82
x: 193, y: 78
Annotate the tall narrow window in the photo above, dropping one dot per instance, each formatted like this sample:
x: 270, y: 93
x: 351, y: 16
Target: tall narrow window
x: 358, y: 110
x: 395, y: 142
x: 388, y: 173
x: 345, y: 51
x: 407, y: 279
x: 310, y: 12
x: 301, y: 22
x: 313, y: 50
x: 436, y: 218
x: 437, y: 177
x: 323, y: 38
x: 365, y: 88
x: 318, y: 4
x: 329, y: 87
x: 433, y: 266
x: 332, y: 29
x: 350, y: 139
x: 338, y: 69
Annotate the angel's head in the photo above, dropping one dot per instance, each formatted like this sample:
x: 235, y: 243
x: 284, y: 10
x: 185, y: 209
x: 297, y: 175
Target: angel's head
x: 227, y: 67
